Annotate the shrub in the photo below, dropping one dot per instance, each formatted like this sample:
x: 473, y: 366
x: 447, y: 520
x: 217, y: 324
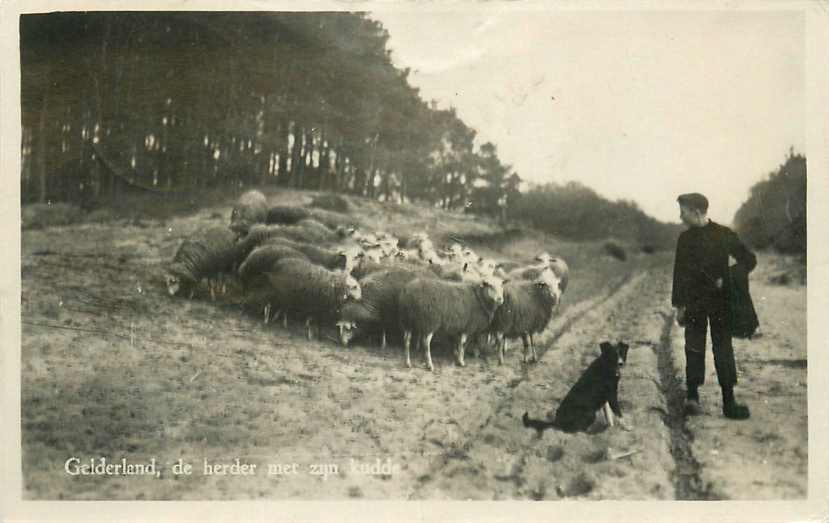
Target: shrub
x: 331, y: 202
x: 39, y: 215
x: 615, y: 250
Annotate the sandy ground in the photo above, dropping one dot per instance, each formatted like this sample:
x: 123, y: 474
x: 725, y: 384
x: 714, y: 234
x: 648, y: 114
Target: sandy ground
x: 113, y: 368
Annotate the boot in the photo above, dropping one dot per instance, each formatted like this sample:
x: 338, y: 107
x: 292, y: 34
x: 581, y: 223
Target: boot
x: 692, y: 404
x: 730, y: 408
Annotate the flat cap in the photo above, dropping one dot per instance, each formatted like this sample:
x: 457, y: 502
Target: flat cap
x: 694, y: 200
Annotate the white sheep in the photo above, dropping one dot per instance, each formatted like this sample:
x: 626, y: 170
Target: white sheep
x: 209, y: 253
x: 457, y: 309
x: 251, y: 208
x: 310, y: 291
x: 544, y: 261
x: 376, y: 311
x: 527, y: 309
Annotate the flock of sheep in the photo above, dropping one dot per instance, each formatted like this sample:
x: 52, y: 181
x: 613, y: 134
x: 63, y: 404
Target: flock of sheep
x: 310, y: 265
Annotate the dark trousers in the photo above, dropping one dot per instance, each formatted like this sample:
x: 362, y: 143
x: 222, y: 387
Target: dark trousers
x: 697, y: 320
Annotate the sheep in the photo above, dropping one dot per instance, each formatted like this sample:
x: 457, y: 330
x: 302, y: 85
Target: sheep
x: 330, y: 219
x: 342, y: 258
x: 486, y: 267
x: 532, y: 272
x: 258, y: 234
x: 558, y: 265
x: 377, y: 309
x: 286, y: 215
x: 316, y: 229
x: 313, y: 292
x: 457, y: 309
x: 252, y: 273
x: 527, y: 309
x: 562, y: 270
x: 263, y: 258
x: 452, y: 272
x: 210, y: 252
x: 251, y: 208
x: 365, y: 266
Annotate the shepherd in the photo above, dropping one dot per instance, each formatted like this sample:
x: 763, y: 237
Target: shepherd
x: 701, y: 293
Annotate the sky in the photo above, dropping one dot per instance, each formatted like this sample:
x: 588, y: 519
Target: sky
x: 638, y: 105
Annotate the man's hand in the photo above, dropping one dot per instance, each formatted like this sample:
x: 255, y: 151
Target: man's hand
x: 680, y: 316
x: 718, y: 283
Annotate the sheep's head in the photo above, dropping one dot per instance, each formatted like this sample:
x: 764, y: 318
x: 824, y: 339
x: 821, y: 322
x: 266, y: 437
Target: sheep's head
x: 550, y: 284
x: 493, y: 289
x: 350, y: 257
x: 429, y: 255
x: 352, y: 289
x: 173, y: 283
x: 374, y: 254
x: 487, y: 266
x: 347, y: 330
x: 561, y: 269
x: 544, y: 257
x: 240, y: 223
x: 469, y: 255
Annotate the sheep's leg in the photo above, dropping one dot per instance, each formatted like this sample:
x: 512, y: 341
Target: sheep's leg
x: 211, y: 285
x: 532, y: 349
x: 461, y: 343
x: 501, y: 343
x: 407, y: 343
x: 427, y: 348
x: 383, y: 340
x: 285, y: 321
x: 308, y: 329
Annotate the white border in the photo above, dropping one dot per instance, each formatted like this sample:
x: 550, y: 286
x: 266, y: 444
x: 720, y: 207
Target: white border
x: 815, y: 508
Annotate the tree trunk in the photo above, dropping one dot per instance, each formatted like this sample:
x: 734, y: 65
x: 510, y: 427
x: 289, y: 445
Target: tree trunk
x: 296, y: 157
x: 325, y: 162
x: 282, y: 150
x: 42, y: 144
x: 308, y: 160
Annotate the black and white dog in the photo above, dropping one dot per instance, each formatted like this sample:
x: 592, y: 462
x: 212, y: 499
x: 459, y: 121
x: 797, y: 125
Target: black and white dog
x: 597, y: 388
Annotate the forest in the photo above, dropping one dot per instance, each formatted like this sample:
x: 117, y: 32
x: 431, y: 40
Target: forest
x: 174, y: 103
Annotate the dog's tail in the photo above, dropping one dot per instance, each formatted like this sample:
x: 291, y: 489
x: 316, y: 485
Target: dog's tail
x: 537, y: 424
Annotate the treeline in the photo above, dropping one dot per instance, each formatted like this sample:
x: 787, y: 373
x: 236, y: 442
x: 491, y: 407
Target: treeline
x: 174, y: 103
x: 774, y: 216
x: 577, y: 212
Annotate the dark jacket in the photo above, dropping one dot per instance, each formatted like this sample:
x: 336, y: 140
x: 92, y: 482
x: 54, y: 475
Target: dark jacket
x: 702, y: 258
x: 742, y: 319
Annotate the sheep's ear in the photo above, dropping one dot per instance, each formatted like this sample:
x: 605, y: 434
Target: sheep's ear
x: 605, y: 346
x: 465, y: 266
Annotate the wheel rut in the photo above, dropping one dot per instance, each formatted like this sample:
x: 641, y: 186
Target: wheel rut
x: 688, y: 483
